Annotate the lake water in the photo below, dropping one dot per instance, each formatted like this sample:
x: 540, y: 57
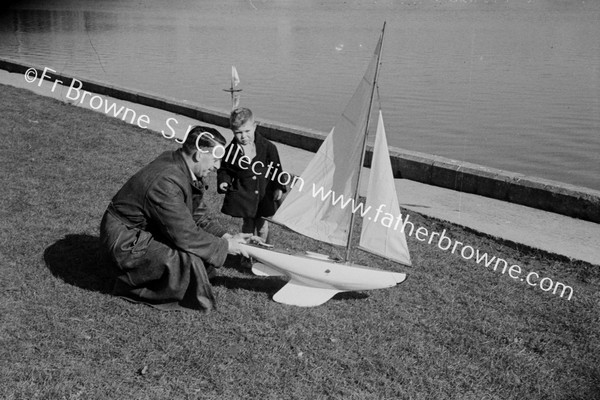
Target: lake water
x: 512, y: 84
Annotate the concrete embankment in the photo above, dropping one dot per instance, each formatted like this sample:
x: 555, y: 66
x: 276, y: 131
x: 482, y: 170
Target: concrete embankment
x: 557, y: 197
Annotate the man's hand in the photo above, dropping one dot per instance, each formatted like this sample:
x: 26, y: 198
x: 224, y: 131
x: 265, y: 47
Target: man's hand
x: 223, y: 186
x: 277, y: 194
x: 235, y: 241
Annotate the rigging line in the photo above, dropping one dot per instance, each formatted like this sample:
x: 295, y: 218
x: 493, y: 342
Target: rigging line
x: 18, y: 38
x: 252, y: 4
x: 97, y: 56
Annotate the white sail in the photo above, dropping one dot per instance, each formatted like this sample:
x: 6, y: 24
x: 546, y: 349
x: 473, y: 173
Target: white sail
x: 332, y: 172
x: 235, y: 78
x: 381, y: 228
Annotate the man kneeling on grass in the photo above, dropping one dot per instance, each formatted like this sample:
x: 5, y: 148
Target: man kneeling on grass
x: 157, y: 232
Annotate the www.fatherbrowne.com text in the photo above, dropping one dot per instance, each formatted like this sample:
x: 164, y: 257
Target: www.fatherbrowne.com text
x: 445, y: 243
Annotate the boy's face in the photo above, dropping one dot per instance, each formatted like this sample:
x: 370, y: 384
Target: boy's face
x: 245, y: 134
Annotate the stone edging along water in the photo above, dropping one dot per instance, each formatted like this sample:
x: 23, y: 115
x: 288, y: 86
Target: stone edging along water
x: 553, y: 196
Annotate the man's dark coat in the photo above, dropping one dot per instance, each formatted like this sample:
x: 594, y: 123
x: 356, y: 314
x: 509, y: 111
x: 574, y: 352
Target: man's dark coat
x: 157, y: 233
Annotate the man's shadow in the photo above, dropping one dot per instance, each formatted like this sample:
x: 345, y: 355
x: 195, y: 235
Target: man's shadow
x: 78, y: 260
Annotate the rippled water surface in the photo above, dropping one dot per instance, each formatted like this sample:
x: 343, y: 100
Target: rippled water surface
x: 512, y: 84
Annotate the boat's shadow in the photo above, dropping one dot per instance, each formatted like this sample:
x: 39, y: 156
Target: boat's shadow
x: 270, y: 286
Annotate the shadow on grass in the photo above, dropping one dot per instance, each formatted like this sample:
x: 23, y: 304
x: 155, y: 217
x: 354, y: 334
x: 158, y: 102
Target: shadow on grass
x: 350, y: 296
x: 253, y: 284
x: 269, y: 285
x: 78, y: 260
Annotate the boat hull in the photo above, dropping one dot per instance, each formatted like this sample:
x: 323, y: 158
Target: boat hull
x: 313, y: 280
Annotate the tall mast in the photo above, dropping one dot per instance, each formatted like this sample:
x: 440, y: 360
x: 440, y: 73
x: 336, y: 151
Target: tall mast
x: 364, y: 147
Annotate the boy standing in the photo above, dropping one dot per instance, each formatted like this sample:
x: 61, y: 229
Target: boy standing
x: 250, y: 177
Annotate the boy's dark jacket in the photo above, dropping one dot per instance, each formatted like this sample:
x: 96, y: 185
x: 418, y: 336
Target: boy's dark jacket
x: 250, y: 192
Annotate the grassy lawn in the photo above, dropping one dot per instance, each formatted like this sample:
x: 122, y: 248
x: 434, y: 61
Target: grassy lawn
x: 452, y: 330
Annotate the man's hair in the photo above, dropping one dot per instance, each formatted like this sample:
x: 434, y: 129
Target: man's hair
x: 239, y: 117
x: 202, y: 137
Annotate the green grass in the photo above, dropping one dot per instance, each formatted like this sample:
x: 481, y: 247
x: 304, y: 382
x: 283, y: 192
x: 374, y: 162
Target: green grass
x: 453, y: 330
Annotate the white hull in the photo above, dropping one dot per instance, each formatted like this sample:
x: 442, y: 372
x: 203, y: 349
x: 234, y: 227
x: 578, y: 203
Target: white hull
x: 313, y: 280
